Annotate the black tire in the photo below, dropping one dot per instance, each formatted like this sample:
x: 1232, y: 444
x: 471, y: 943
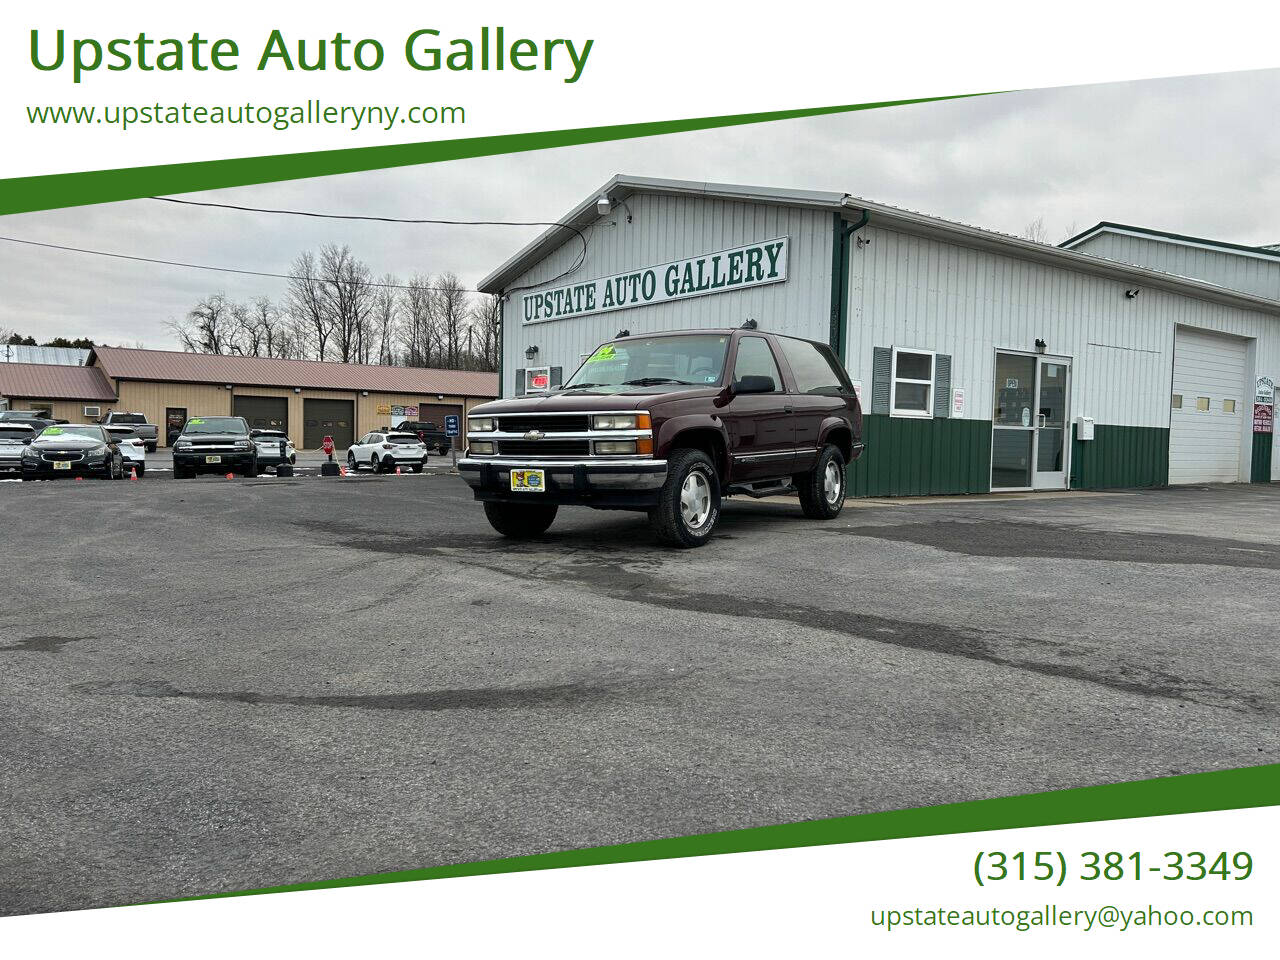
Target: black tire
x: 520, y: 521
x: 250, y: 471
x: 374, y: 464
x: 417, y: 467
x: 25, y: 477
x: 353, y: 465
x: 669, y: 519
x: 141, y: 468
x: 183, y: 473
x: 151, y: 447
x: 822, y: 489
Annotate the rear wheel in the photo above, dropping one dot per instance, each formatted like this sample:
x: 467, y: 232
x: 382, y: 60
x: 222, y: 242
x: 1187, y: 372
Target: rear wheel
x: 688, y: 505
x: 822, y: 489
x: 141, y: 468
x: 520, y: 521
x: 417, y: 468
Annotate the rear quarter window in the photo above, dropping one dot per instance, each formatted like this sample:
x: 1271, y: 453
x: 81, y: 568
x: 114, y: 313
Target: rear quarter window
x: 815, y: 370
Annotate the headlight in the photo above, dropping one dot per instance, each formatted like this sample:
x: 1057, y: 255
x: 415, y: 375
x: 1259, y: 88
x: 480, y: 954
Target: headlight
x: 29, y: 454
x: 482, y: 447
x: 622, y: 421
x: 95, y: 453
x: 612, y: 447
x: 480, y: 424
x: 244, y: 444
x: 182, y: 445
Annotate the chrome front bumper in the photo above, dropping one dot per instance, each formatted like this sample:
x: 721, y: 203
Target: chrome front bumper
x: 582, y: 477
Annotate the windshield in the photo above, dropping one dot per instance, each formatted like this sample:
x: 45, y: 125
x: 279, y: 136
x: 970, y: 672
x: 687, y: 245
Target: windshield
x: 215, y: 425
x: 64, y: 430
x: 128, y: 418
x: 686, y: 359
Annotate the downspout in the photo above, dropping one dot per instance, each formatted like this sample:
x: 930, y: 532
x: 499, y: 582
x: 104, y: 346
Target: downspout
x: 842, y: 231
x: 502, y: 343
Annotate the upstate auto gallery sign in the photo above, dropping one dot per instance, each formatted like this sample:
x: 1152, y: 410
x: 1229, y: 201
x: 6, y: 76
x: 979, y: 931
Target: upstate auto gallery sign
x: 753, y: 265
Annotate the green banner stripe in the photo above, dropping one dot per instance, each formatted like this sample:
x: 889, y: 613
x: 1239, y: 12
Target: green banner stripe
x: 25, y: 194
x: 1190, y: 793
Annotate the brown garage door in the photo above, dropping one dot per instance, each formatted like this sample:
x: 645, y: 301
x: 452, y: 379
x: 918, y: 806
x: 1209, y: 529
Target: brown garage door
x: 263, y: 413
x: 436, y: 412
x: 328, y: 418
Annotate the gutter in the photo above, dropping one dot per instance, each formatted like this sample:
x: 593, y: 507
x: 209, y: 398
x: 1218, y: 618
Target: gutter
x: 841, y: 232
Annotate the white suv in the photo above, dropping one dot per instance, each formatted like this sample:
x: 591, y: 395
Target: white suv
x: 133, y: 448
x: 383, y: 451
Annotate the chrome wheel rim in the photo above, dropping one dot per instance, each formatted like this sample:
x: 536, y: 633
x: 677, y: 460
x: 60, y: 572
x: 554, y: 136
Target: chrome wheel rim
x: 832, y: 482
x: 695, y: 499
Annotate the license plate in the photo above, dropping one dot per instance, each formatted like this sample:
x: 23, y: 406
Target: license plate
x: 62, y: 464
x: 212, y: 459
x: 528, y: 481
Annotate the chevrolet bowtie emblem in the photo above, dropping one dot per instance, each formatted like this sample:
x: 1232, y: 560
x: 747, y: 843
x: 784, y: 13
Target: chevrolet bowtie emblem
x: 533, y: 435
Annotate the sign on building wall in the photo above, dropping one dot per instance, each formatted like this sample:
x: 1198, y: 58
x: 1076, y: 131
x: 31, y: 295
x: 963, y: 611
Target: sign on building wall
x: 537, y: 379
x: 1266, y: 392
x: 1262, y: 417
x: 753, y: 265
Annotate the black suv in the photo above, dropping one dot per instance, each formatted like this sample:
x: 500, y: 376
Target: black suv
x: 214, y: 445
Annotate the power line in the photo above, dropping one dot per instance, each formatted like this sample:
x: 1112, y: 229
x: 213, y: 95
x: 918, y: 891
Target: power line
x: 581, y: 259
x: 205, y: 266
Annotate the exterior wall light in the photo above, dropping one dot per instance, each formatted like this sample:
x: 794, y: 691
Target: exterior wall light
x: 1040, y: 346
x: 530, y: 352
x: 364, y: 393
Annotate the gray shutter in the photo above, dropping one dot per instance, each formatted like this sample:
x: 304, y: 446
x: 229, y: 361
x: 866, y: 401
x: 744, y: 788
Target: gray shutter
x: 942, y: 385
x: 557, y: 376
x: 881, y: 374
x: 520, y: 382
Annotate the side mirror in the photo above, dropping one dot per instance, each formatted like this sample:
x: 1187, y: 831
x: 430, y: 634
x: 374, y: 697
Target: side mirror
x: 753, y: 384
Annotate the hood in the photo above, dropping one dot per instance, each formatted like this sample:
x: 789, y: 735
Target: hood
x: 64, y: 441
x: 576, y: 401
x: 211, y: 437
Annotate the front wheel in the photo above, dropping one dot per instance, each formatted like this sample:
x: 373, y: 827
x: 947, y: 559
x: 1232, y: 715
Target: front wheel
x: 520, y: 521
x: 352, y: 466
x: 822, y: 489
x: 688, y: 505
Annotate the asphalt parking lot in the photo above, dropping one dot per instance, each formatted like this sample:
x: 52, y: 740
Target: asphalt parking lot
x: 209, y: 685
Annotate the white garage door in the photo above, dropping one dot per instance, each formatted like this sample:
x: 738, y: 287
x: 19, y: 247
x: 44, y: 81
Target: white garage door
x: 1206, y: 421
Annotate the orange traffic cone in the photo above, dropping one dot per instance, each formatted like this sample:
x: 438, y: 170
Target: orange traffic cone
x: 133, y: 473
x: 342, y: 470
x: 231, y: 476
x: 397, y: 469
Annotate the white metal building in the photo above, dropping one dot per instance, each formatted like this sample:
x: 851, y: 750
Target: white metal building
x: 985, y: 361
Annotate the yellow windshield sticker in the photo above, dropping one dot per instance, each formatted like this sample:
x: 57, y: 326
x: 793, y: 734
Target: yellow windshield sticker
x: 607, y: 352
x: 53, y: 431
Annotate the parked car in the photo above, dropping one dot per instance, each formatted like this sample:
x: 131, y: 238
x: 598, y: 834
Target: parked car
x: 268, y: 444
x: 214, y: 445
x: 36, y: 418
x: 149, y: 432
x: 432, y: 436
x: 132, y: 447
x: 384, y: 451
x: 73, y: 450
x: 13, y: 435
x: 670, y: 424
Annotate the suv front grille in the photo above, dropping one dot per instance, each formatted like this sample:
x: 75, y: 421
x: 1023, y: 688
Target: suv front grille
x: 544, y: 448
x: 546, y: 422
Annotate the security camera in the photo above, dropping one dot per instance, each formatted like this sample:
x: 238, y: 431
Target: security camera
x: 1132, y: 294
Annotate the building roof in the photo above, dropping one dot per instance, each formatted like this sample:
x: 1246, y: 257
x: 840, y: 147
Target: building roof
x: 54, y: 381
x: 126, y: 363
x: 619, y: 187
x: 21, y: 353
x: 1271, y: 253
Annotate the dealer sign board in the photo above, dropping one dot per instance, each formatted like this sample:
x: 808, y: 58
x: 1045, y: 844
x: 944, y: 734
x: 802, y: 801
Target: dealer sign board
x: 753, y: 265
x: 1266, y: 391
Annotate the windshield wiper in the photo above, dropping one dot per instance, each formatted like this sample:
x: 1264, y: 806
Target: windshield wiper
x: 650, y: 381
x: 583, y: 386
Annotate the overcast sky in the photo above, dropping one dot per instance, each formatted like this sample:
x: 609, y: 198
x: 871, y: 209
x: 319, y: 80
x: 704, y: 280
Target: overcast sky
x: 1197, y: 155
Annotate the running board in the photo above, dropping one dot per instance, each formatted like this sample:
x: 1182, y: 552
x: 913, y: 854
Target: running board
x: 757, y: 491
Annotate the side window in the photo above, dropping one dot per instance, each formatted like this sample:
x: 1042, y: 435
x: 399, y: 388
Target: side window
x: 755, y: 359
x: 913, y: 376
x: 815, y: 371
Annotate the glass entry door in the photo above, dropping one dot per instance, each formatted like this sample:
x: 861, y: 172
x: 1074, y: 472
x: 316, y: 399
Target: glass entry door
x: 1029, y: 448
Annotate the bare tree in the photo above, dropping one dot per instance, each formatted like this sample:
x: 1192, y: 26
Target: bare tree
x: 419, y: 332
x: 1035, y: 231
x: 386, y: 317
x: 210, y: 327
x: 307, y: 305
x: 449, y: 308
x: 486, y: 322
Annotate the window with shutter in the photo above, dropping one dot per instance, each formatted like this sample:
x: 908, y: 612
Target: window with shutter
x: 913, y: 391
x: 942, y: 385
x: 881, y: 375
